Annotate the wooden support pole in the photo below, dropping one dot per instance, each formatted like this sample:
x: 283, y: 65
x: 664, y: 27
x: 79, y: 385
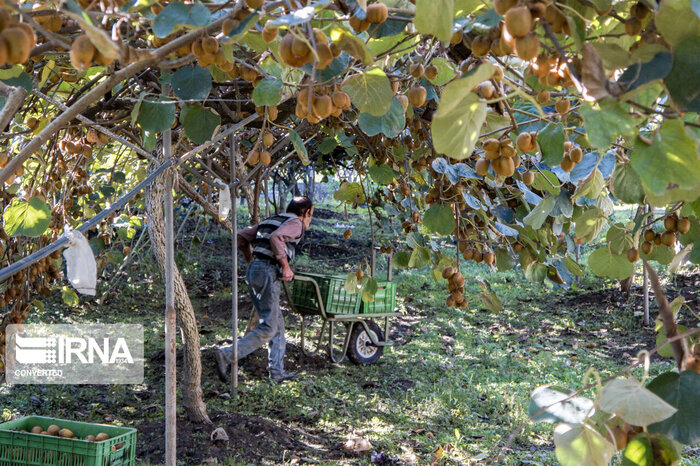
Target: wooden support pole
x: 234, y: 285
x: 170, y: 318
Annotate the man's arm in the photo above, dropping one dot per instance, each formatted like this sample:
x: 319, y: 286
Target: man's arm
x: 245, y: 239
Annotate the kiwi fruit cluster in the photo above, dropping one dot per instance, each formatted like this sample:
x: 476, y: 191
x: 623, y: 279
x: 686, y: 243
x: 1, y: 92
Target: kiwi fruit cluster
x: 16, y: 40
x: 500, y: 155
x: 672, y: 224
x: 638, y: 12
x: 455, y: 285
x: 552, y: 71
x: 572, y: 155
x: 83, y: 54
x: 295, y: 49
x: 56, y: 431
x: 377, y: 13
x: 316, y: 104
x: 347, y: 234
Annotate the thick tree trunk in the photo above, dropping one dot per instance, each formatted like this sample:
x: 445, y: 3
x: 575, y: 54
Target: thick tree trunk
x: 192, y: 368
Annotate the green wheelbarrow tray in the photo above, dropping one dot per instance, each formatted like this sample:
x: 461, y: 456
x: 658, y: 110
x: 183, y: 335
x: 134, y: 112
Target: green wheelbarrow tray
x: 324, y: 296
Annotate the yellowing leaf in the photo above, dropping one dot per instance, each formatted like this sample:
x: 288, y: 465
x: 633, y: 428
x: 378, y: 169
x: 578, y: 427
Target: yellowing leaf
x: 580, y: 444
x: 434, y: 17
x: 633, y: 402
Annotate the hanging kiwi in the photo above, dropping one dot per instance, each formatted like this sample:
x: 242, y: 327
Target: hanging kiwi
x: 417, y: 96
x: 528, y: 177
x: 518, y: 21
x: 562, y: 106
x: 19, y: 46
x: 269, y: 33
x: 481, y: 46
x: 543, y: 96
x: 377, y: 13
x: 527, y: 47
x: 81, y: 53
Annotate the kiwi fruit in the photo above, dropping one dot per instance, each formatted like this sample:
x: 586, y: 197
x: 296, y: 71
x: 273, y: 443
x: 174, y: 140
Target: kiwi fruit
x: 5, y: 19
x: 3, y: 51
x: 491, y: 145
x: 377, y: 13
x: 481, y: 45
x: 347, y: 233
x: 670, y: 222
x: 268, y: 138
x: 300, y: 48
x: 562, y: 106
x: 53, y: 429
x: 506, y: 165
x: 567, y: 164
x: 489, y: 257
x: 527, y: 47
x: 683, y: 225
x: 18, y: 45
x: 253, y: 157
x: 269, y: 33
x: 633, y: 255
x: 431, y: 72
x: 37, y: 430
x: 639, y: 10
x: 254, y: 4
x: 649, y: 235
x: 90, y: 438
x: 647, y: 247
x: 322, y: 106
x: 502, y: 6
x: 543, y: 96
x: 229, y: 25
x: 457, y: 37
x: 272, y: 113
x: 528, y: 177
x: 576, y: 154
x: 325, y: 56
x: 524, y: 142
x: 633, y: 26
x: 668, y: 238
x: 265, y: 157
x: 482, y: 167
x: 486, y: 90
x: 417, y: 96
x: 555, y: 18
x: 65, y: 433
x: 358, y: 25
x: 416, y: 70
x: 101, y: 437
x: 404, y: 101
x: 491, y: 154
x: 518, y: 21
x: 341, y: 99
x: 29, y: 32
x: 448, y: 272
x: 210, y: 45
x: 657, y: 240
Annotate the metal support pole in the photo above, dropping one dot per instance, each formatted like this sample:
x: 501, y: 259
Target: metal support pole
x: 170, y: 318
x: 234, y: 285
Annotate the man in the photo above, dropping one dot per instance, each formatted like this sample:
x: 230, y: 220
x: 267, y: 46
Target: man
x: 269, y: 248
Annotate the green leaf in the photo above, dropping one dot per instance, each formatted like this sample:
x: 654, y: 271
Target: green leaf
x: 369, y: 288
x: 668, y: 21
x: 268, y: 92
x: 539, y: 214
x: 591, y: 187
x: 605, y: 264
x: 299, y: 146
x: 191, y: 83
x: 573, y: 267
x: 661, y: 254
x: 434, y: 17
x: 504, y: 260
x: 381, y: 174
x: 370, y: 91
x: 605, y: 125
x: 70, y: 298
x: 26, y: 218
x: 420, y: 257
x: 627, y: 186
x: 670, y: 162
x: 401, y: 259
x: 457, y: 125
x: 572, y: 411
x: 666, y: 351
x: 351, y: 44
x: 439, y: 218
x: 683, y: 82
x: 390, y: 124
x: 683, y: 393
x: 446, y: 72
x: 199, y: 122
x: 349, y: 192
x: 619, y: 240
x: 156, y: 116
x: 581, y: 444
x: 536, y: 272
x: 634, y: 403
x: 546, y: 181
x: 178, y: 14
x: 21, y: 80
x: 639, y: 74
x: 551, y: 141
x: 650, y: 450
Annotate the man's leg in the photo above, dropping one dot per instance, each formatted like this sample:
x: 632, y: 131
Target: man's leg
x: 261, y: 278
x: 278, y: 344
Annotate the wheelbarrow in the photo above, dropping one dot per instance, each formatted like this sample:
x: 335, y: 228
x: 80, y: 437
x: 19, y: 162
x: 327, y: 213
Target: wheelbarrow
x: 325, y: 296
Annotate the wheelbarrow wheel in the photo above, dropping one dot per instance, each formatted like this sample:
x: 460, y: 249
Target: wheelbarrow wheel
x: 361, y: 350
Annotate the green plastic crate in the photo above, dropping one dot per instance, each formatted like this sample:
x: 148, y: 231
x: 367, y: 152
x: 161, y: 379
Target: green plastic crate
x: 335, y: 299
x: 384, y: 299
x: 20, y: 448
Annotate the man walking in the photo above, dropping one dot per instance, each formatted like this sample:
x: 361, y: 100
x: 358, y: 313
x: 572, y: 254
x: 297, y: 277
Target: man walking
x: 268, y: 249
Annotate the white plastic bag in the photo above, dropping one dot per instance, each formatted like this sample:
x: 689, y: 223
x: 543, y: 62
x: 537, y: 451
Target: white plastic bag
x: 81, y: 268
x: 224, y: 200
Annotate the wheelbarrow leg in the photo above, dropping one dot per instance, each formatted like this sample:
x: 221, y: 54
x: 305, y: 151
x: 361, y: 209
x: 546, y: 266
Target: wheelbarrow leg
x: 303, y: 337
x: 345, y: 344
x: 320, y: 336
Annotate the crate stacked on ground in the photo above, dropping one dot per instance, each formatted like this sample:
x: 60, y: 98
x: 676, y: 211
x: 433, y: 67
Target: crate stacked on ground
x: 37, y: 449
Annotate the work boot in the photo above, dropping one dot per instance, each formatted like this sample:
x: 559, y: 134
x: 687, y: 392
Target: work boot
x: 280, y: 377
x: 221, y: 365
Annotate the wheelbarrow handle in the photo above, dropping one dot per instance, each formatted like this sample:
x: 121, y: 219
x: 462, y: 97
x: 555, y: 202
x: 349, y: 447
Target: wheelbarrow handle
x: 319, y: 299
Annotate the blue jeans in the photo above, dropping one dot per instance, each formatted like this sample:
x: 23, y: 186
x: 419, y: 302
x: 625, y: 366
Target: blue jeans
x: 263, y: 279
